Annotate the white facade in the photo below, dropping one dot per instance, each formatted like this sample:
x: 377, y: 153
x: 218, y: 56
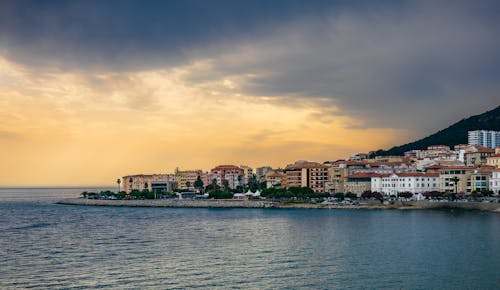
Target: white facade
x: 490, y: 139
x: 406, y: 182
x: 495, y: 182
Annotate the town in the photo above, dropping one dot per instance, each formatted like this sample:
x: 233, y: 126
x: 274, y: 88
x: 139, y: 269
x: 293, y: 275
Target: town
x: 465, y: 171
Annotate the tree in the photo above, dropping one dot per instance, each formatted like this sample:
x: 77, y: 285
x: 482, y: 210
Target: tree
x: 377, y: 195
x: 351, y: 195
x: 432, y: 194
x: 118, y: 181
x: 253, y: 184
x: 146, y: 185
x: 198, y: 183
x: 135, y: 193
x: 219, y: 194
x: 367, y: 194
x: 405, y: 194
x: 85, y: 194
x: 455, y: 180
x: 339, y: 195
x: 226, y: 184
x: 188, y: 184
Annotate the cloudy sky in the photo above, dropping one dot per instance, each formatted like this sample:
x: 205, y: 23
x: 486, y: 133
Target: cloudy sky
x: 93, y: 90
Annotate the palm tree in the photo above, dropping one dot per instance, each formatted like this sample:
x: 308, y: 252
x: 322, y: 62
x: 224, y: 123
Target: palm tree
x: 118, y: 181
x: 455, y: 182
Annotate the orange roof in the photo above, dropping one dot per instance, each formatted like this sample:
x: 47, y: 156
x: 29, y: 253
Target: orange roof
x: 485, y: 170
x: 364, y: 175
x: 418, y: 174
x: 299, y: 165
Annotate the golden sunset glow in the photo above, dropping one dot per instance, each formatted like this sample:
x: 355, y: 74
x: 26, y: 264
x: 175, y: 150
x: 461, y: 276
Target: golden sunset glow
x: 87, y: 127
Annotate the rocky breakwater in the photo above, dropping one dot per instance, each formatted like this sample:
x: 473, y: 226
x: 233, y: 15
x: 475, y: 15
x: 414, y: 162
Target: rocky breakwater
x: 232, y: 203
x: 185, y: 203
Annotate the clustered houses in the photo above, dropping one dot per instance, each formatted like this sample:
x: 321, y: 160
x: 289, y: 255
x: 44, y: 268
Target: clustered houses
x: 465, y: 169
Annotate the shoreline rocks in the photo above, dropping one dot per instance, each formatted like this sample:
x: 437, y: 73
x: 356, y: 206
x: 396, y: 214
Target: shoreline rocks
x: 179, y: 203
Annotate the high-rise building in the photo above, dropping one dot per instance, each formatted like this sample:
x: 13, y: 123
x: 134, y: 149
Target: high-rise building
x: 490, y: 139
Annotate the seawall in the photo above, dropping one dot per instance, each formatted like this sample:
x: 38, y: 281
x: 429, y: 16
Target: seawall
x: 200, y: 203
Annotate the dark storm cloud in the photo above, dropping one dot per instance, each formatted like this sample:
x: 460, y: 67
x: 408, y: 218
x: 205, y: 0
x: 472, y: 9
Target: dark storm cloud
x: 418, y: 65
x: 127, y: 34
x: 421, y: 67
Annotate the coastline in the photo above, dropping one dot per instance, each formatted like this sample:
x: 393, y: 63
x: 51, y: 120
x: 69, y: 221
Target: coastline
x: 226, y: 203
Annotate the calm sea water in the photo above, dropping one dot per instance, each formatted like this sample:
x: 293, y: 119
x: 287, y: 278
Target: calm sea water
x: 43, y: 245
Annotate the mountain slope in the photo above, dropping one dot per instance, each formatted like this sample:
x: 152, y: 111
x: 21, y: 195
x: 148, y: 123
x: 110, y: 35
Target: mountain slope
x: 453, y: 135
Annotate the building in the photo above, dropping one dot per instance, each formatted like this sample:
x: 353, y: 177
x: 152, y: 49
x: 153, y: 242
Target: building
x: 233, y: 174
x: 145, y: 181
x: 359, y: 157
x: 306, y: 174
x: 495, y: 181
x: 247, y: 173
x: 494, y: 160
x: 261, y: 171
x: 478, y: 155
x: 490, y: 139
x: 415, y: 183
x: 274, y: 178
x: 359, y: 182
x: 163, y: 186
x: 336, y: 176
x: 479, y: 179
x: 454, y: 178
x: 186, y: 178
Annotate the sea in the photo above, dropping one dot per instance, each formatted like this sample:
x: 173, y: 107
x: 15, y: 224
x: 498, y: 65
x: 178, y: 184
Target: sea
x: 44, y: 245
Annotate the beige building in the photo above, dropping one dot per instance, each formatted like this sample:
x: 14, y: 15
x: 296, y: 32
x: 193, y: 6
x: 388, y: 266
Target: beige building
x: 274, y: 178
x: 336, y: 175
x: 144, y: 181
x: 494, y: 160
x: 447, y: 177
x: 479, y: 179
x: 359, y: 182
x: 478, y: 156
x: 186, y: 178
x: 306, y: 174
x: 247, y: 173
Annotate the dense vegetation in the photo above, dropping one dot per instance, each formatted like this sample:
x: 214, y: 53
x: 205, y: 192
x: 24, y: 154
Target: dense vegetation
x: 453, y: 135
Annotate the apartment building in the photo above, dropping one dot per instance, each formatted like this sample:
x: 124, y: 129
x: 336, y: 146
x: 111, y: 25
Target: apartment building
x: 186, y: 178
x: 490, y: 139
x: 232, y: 173
x: 306, y: 174
x: 454, y: 178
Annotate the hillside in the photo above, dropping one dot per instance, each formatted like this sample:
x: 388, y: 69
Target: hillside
x: 453, y: 135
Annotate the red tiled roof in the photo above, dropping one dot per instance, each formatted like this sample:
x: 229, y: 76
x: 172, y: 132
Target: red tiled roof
x: 418, y: 174
x: 364, y: 175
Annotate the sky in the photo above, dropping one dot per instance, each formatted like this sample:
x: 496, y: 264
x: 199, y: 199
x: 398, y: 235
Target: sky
x: 94, y: 90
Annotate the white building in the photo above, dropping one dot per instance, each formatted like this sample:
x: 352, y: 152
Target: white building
x: 490, y: 139
x: 415, y: 183
x: 495, y: 181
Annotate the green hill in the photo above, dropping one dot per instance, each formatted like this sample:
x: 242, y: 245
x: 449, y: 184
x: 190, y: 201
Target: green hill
x: 453, y: 135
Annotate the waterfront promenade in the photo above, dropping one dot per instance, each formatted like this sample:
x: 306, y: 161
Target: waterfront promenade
x: 231, y: 203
